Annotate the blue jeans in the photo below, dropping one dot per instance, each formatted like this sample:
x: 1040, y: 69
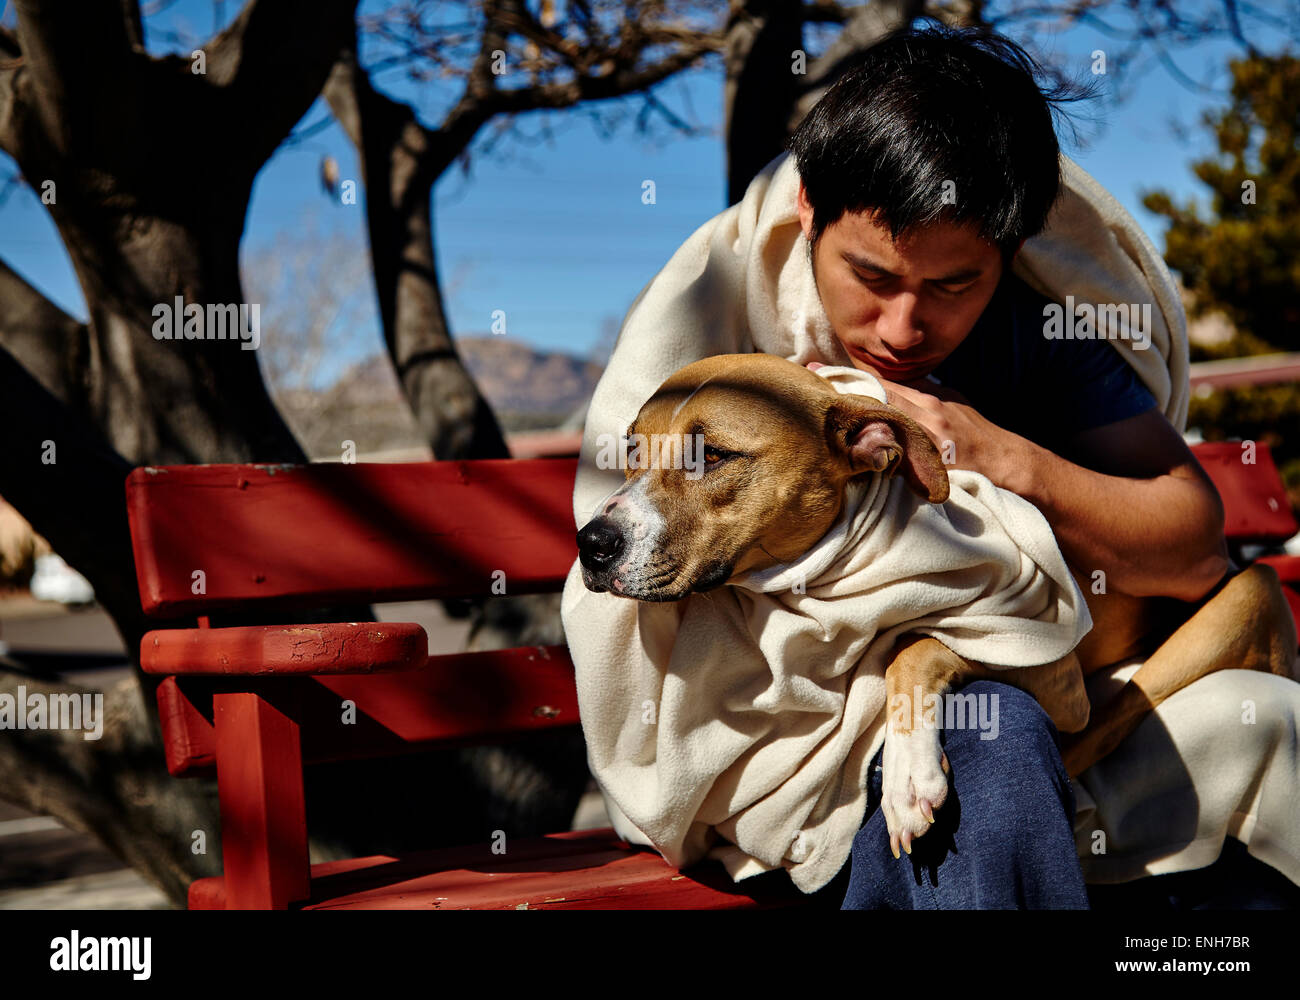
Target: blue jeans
x: 1003, y: 839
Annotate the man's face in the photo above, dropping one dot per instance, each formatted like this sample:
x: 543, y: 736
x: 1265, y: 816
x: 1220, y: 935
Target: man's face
x: 900, y: 308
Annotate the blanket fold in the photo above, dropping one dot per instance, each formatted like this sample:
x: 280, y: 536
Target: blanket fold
x: 740, y: 722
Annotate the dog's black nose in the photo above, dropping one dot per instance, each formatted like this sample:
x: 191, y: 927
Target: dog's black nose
x: 599, y: 542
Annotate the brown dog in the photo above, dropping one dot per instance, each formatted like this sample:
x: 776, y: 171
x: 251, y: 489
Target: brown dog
x: 779, y: 444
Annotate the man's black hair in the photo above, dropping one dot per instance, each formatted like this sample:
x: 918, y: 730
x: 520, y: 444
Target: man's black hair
x: 926, y: 106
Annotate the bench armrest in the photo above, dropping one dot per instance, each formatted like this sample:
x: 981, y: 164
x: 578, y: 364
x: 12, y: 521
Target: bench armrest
x: 331, y: 648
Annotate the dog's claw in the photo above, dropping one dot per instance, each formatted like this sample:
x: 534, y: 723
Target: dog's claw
x: 913, y: 787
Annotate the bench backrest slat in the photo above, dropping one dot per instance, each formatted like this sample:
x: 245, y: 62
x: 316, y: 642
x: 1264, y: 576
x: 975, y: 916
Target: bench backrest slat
x: 296, y: 536
x: 303, y: 535
x: 460, y: 698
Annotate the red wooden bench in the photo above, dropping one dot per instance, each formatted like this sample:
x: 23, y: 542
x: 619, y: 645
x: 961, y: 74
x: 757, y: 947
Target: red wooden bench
x: 253, y: 538
x: 284, y: 537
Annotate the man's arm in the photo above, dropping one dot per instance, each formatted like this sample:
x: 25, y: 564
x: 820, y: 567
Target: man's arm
x: 1139, y: 507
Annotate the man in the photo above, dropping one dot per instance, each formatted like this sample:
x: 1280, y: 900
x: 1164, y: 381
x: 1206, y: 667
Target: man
x: 923, y: 171
x: 1064, y: 423
x: 919, y: 176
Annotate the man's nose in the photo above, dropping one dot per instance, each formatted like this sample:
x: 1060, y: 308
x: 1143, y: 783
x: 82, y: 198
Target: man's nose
x: 896, y: 326
x: 599, y: 544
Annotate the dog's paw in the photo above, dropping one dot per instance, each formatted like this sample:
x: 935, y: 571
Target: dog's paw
x: 914, y: 783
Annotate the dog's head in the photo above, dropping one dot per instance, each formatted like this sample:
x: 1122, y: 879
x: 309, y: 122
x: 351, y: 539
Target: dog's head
x: 739, y: 462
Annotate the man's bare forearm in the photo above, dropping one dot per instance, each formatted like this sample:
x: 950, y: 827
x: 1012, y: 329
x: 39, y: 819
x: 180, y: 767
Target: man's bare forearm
x: 1161, y: 536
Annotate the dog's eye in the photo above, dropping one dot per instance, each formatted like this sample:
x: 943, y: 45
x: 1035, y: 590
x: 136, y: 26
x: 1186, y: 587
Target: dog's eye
x: 714, y: 457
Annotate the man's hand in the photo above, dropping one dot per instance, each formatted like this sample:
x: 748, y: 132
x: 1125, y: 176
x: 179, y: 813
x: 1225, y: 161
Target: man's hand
x: 965, y: 439
x: 1138, y: 506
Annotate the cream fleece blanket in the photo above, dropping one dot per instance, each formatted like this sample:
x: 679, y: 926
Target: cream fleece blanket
x: 740, y: 722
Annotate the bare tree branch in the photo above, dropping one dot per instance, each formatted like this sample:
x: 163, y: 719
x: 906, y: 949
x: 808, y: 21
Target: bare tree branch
x: 401, y: 159
x: 866, y: 26
x: 133, y: 23
x: 80, y: 66
x: 44, y: 339
x: 11, y: 58
x: 270, y: 64
x: 564, y: 71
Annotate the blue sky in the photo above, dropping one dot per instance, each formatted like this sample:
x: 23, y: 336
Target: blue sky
x: 554, y: 231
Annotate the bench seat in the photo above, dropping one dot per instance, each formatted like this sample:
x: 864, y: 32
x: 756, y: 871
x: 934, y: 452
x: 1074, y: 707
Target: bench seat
x: 579, y: 870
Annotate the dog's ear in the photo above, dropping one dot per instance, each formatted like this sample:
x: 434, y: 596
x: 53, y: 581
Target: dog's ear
x: 873, y: 437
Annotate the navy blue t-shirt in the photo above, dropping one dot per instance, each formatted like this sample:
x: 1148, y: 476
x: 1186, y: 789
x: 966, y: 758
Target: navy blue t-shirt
x: 1044, y: 390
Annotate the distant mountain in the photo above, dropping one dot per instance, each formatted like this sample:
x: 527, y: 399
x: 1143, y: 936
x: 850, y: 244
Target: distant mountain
x: 527, y: 389
x: 520, y: 381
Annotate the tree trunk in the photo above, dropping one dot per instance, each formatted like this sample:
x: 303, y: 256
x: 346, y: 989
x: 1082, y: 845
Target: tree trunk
x: 400, y: 160
x: 868, y: 25
x: 760, y: 89
x: 764, y: 98
x: 111, y: 140
x: 138, y: 243
x: 115, y: 788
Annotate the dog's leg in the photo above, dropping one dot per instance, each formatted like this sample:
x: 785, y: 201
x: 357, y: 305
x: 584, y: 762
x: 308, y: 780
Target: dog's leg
x: 914, y: 779
x: 1058, y: 687
x: 1246, y: 626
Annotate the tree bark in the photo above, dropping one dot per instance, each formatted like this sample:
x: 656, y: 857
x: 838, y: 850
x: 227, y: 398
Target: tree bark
x: 865, y: 27
x: 760, y: 88
x: 148, y: 215
x: 399, y: 162
x: 114, y: 141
